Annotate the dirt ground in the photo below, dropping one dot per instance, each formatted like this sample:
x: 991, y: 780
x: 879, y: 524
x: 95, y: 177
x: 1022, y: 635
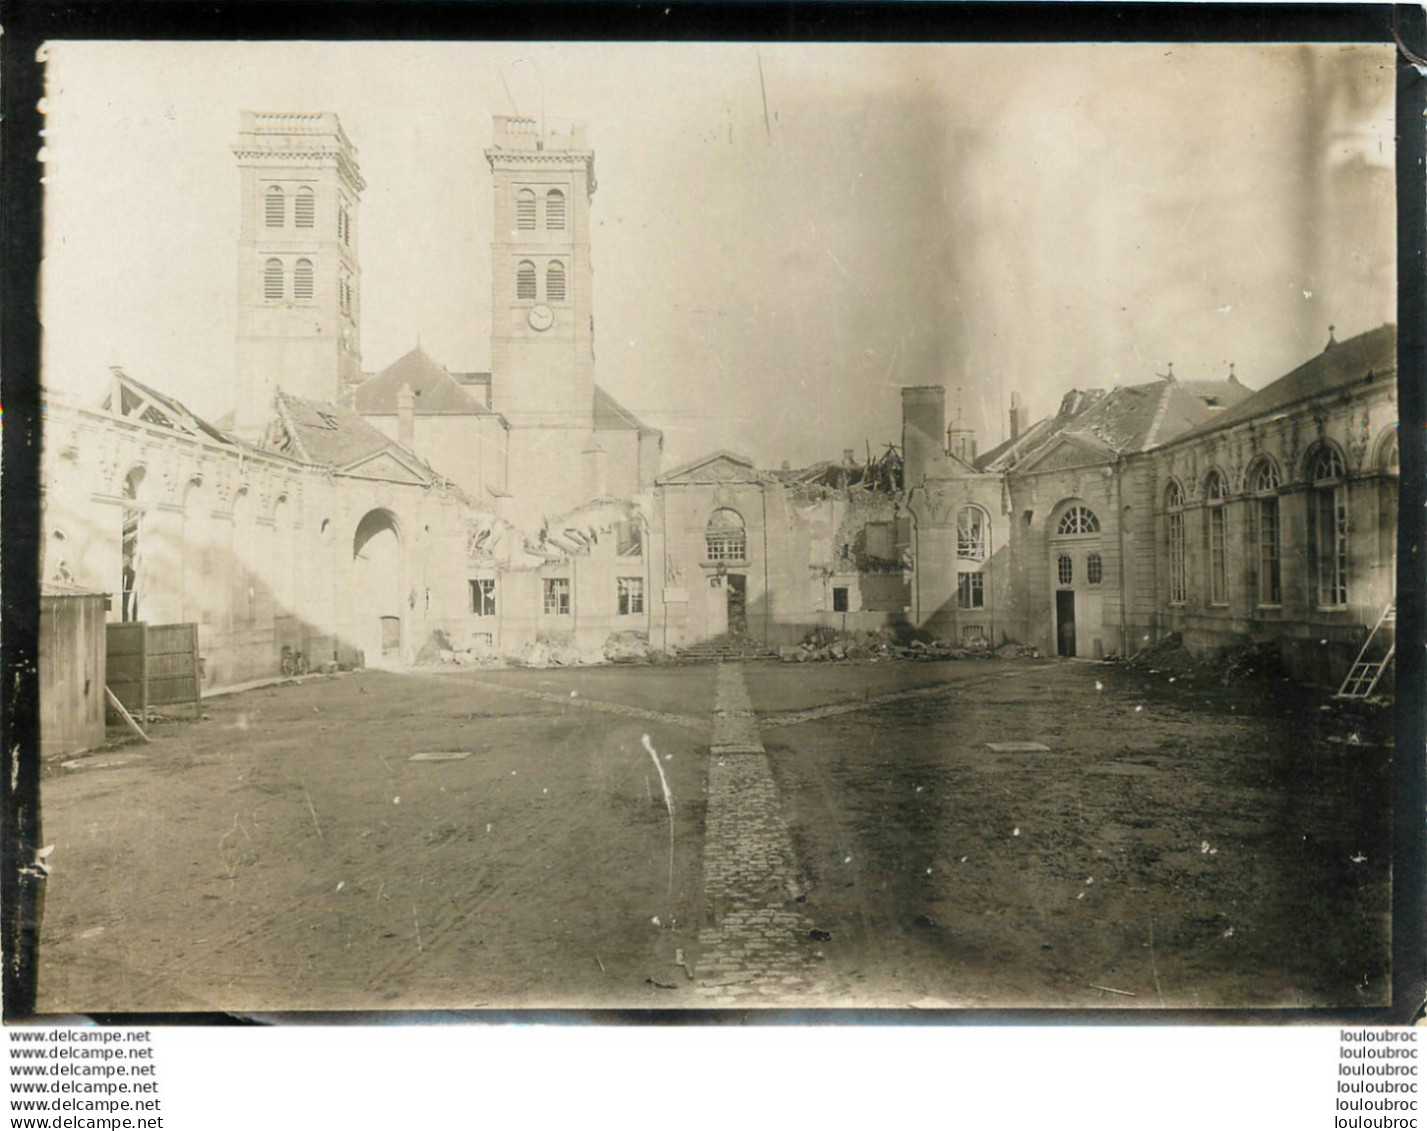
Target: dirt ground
x: 1181, y: 842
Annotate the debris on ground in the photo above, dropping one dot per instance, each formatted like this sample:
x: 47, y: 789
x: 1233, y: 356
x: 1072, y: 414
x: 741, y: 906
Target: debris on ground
x: 825, y: 644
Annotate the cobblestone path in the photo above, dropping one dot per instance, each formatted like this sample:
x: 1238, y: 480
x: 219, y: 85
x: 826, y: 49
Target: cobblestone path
x: 755, y: 947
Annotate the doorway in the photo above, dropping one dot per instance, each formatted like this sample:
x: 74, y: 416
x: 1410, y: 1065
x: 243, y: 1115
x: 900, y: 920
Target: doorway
x: 736, y: 587
x: 1065, y: 622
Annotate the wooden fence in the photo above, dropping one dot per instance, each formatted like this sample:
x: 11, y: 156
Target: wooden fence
x: 152, y: 666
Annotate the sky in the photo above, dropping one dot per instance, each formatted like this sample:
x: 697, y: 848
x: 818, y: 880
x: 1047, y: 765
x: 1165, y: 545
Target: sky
x: 783, y: 235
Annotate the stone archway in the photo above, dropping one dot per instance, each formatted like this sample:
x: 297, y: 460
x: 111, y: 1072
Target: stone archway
x: 378, y: 604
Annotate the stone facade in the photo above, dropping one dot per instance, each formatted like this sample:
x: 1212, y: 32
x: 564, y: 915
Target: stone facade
x: 1197, y: 508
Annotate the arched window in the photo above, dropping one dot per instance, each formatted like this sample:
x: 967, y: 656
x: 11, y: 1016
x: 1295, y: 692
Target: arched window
x: 555, y: 281
x: 554, y: 210
x: 525, y: 281
x: 1078, y: 520
x: 1265, y: 570
x: 1328, y: 523
x: 525, y: 210
x: 304, y: 208
x: 272, y: 279
x: 1094, y: 568
x: 1174, y: 525
x: 302, y: 279
x: 1216, y: 537
x: 725, y: 537
x: 1388, y: 458
x: 274, y: 207
x: 973, y: 534
x: 1064, y: 569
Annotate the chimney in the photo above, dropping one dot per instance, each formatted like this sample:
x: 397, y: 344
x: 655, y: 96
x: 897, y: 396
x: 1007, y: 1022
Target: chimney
x: 405, y: 417
x: 1019, y: 414
x: 923, y: 424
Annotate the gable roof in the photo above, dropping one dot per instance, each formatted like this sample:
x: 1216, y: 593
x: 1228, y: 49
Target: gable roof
x: 1365, y: 357
x: 611, y: 416
x: 334, y: 436
x: 716, y: 467
x: 436, y: 390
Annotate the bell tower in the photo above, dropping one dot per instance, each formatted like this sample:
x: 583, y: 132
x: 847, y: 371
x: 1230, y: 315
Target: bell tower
x: 542, y: 337
x: 299, y: 287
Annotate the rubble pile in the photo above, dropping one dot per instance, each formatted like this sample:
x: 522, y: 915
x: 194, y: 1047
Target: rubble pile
x: 824, y: 644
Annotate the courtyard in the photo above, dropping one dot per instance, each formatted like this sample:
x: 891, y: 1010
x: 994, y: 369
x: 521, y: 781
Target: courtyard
x: 458, y: 838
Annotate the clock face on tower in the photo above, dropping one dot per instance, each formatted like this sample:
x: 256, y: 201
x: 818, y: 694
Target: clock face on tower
x: 541, y: 317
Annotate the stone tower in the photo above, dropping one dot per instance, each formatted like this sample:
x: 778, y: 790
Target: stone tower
x: 542, y: 329
x: 299, y: 287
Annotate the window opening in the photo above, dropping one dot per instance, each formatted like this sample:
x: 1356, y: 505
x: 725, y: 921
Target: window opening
x: 557, y: 596
x: 839, y: 598
x: 1079, y: 520
x: 725, y: 538
x: 304, y: 209
x: 1094, y: 569
x: 1064, y: 569
x: 272, y: 279
x: 483, y: 596
x: 274, y: 207
x: 972, y: 534
x: 554, y: 210
x: 631, y: 595
x: 970, y: 590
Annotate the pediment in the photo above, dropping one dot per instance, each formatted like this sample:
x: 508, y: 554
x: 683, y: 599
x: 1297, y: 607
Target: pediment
x: 720, y: 467
x: 1065, y: 452
x: 386, y: 466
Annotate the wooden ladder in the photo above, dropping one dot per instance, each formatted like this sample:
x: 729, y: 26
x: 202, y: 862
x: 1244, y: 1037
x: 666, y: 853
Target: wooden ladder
x: 1363, y: 676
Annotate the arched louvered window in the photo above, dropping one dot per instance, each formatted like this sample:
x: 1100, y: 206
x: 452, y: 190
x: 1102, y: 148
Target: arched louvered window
x: 555, y: 210
x: 525, y: 210
x: 304, y: 208
x: 275, y: 207
x: 272, y: 279
x: 1078, y: 520
x: 1265, y: 574
x: 302, y: 279
x: 1174, y: 521
x: 525, y: 280
x: 555, y: 282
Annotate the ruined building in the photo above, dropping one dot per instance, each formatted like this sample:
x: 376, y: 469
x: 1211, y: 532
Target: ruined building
x: 360, y: 516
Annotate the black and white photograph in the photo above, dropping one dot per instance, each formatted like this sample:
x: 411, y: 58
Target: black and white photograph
x: 715, y: 526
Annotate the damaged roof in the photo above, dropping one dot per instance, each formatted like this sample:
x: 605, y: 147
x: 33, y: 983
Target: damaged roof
x: 152, y: 407
x: 332, y: 435
x: 1133, y: 418
x: 1365, y: 357
x: 436, y: 390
